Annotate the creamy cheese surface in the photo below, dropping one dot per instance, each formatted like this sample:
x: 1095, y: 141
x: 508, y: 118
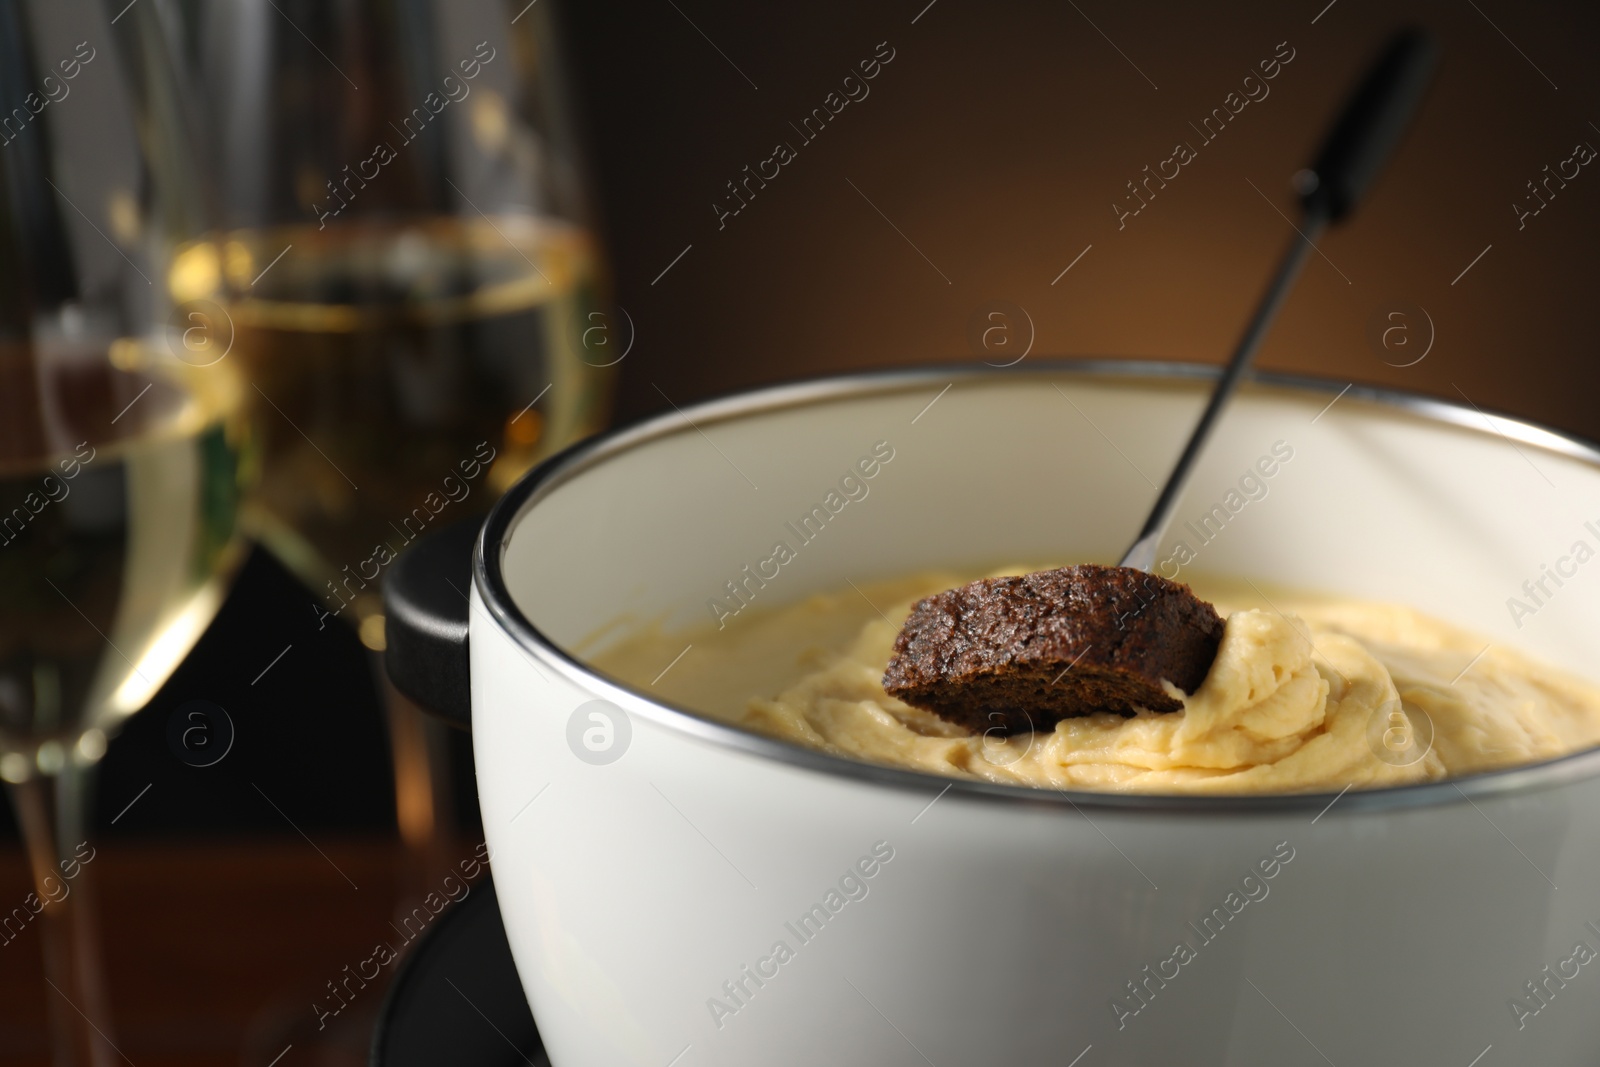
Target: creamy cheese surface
x: 1307, y: 693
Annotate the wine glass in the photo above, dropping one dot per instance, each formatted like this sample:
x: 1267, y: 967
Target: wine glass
x: 408, y: 272
x: 120, y: 449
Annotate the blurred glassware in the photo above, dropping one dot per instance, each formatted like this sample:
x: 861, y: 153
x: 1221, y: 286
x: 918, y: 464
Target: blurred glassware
x: 121, y: 450
x: 405, y: 265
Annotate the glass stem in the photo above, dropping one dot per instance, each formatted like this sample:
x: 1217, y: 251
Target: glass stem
x: 420, y: 759
x: 52, y: 813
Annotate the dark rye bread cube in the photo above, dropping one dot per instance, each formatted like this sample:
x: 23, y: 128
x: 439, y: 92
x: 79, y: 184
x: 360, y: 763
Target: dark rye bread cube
x: 1009, y: 655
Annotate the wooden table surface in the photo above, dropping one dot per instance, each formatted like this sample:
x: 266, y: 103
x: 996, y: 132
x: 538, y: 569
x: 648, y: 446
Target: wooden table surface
x: 216, y: 952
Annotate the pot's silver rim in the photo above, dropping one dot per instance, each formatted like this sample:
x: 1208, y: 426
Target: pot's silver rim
x: 489, y: 579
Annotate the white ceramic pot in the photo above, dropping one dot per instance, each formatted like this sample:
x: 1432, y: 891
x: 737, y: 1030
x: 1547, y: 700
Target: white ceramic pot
x: 646, y: 897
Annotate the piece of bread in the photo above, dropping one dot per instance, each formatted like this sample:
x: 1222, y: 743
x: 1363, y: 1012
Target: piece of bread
x: 1009, y: 655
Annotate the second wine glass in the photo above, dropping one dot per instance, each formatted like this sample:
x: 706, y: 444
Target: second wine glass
x: 407, y: 270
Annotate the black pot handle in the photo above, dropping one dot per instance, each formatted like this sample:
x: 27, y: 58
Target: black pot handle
x: 425, y: 610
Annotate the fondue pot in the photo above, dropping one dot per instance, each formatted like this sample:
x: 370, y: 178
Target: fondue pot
x: 679, y: 891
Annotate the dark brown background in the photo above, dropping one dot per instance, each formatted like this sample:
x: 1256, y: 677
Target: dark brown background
x: 996, y: 140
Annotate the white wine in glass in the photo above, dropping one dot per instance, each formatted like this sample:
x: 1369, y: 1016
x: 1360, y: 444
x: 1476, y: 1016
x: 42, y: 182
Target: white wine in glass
x: 119, y: 483
x: 115, y: 542
x: 403, y: 375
